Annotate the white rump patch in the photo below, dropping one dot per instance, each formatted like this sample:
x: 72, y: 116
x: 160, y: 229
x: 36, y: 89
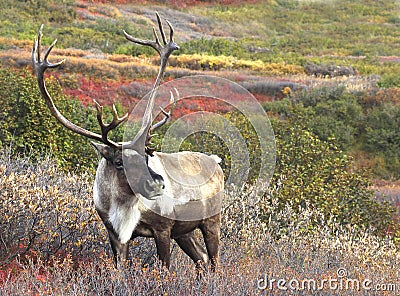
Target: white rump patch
x: 216, y: 158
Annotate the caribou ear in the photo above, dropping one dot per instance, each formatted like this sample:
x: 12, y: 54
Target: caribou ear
x: 105, y: 151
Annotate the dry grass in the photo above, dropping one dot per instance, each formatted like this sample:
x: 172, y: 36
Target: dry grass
x: 256, y: 240
x: 116, y: 67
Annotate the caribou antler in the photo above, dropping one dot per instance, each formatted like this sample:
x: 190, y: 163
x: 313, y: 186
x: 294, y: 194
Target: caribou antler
x: 40, y: 67
x: 164, y: 50
x: 167, y: 115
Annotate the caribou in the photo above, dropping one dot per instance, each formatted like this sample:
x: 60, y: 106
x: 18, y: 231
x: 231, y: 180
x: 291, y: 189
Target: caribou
x: 141, y: 192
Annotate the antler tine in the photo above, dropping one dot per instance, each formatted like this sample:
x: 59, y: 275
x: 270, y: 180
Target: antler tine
x: 36, y: 46
x: 156, y: 45
x: 36, y: 53
x: 169, y: 46
x: 167, y: 115
x: 160, y: 26
x: 157, y: 40
x: 171, y: 31
x: 46, y: 55
x: 40, y: 67
x: 106, y: 128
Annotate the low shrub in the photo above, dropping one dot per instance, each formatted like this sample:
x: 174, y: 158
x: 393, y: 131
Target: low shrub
x: 317, y: 174
x: 331, y: 70
x: 382, y: 137
x: 389, y: 80
x: 313, y: 173
x: 316, y: 169
x: 212, y: 47
x: 360, y: 120
x: 46, y: 213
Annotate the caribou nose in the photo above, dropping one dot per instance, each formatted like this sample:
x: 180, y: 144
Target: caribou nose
x: 174, y: 46
x: 153, y: 188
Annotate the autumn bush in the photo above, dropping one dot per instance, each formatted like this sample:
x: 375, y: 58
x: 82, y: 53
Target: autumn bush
x: 389, y: 80
x: 317, y: 171
x: 382, y: 136
x: 44, y: 212
x: 212, y: 47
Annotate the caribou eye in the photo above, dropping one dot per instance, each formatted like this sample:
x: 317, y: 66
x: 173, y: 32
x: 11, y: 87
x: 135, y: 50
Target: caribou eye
x: 118, y: 164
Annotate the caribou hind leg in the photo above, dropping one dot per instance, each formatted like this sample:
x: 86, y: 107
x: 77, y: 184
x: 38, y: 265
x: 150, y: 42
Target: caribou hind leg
x: 193, y: 249
x: 210, y: 229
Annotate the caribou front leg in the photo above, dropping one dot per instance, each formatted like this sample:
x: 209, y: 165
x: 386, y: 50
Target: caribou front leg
x: 163, y: 242
x: 120, y: 251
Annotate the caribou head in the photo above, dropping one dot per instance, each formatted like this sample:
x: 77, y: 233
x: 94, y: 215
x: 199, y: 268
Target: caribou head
x: 140, y: 192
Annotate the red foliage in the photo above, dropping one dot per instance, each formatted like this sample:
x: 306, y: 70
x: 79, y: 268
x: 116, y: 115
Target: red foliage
x: 264, y: 98
x: 8, y: 272
x: 128, y: 93
x: 382, y: 96
x: 195, y: 104
x: 106, y: 93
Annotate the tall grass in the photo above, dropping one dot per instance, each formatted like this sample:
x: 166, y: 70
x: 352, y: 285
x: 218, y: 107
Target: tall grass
x: 257, y: 240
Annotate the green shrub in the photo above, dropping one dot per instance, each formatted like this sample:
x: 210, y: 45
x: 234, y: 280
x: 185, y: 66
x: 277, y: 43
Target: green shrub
x: 361, y: 121
x: 213, y: 47
x: 134, y: 50
x: 28, y: 126
x: 389, y: 80
x: 21, y: 19
x: 107, y: 35
x: 382, y: 137
x: 327, y: 111
x: 317, y: 174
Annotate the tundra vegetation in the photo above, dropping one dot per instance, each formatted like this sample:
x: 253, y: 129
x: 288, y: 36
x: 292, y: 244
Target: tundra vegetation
x: 327, y: 75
